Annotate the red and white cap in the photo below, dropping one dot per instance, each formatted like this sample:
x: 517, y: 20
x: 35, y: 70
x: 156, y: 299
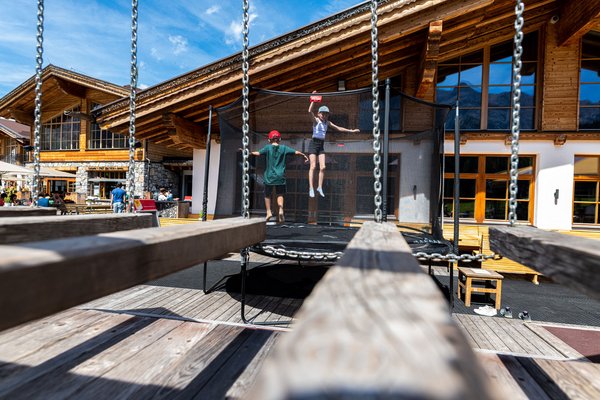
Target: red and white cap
x: 274, y: 135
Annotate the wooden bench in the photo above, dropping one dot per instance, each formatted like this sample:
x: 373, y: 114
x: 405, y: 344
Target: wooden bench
x: 476, y: 280
x: 31, y: 229
x: 23, y: 211
x: 83, y: 208
x: 41, y: 278
x: 570, y: 260
x: 375, y: 326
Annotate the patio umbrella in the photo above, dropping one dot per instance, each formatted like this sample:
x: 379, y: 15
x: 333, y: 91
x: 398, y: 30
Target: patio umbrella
x: 13, y: 169
x: 54, y: 173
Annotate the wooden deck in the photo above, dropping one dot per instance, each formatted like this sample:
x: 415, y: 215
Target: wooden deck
x: 154, y: 341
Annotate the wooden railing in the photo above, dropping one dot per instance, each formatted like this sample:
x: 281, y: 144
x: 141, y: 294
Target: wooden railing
x: 570, y: 260
x: 375, y: 326
x: 41, y: 278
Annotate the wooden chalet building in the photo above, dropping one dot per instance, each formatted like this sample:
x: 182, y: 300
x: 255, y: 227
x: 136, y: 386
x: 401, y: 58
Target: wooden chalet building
x: 13, y: 139
x: 72, y: 141
x: 437, y: 50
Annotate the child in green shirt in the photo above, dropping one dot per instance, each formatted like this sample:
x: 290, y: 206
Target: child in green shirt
x: 274, y: 177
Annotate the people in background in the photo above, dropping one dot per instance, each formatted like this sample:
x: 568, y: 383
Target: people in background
x: 169, y: 195
x: 118, y: 198
x: 316, y: 146
x: 2, y: 199
x: 274, y: 176
x: 44, y: 200
x: 59, y: 203
x: 13, y: 200
x: 162, y: 196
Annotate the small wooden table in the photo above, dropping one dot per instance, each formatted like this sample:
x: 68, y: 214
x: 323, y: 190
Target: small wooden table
x: 479, y: 281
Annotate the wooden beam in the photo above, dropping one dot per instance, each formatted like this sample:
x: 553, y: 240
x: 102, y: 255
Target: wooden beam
x: 373, y: 327
x: 41, y: 278
x: 69, y: 88
x: 22, y: 211
x: 576, y: 19
x: 182, y: 131
x: 33, y: 229
x: 22, y: 116
x: 570, y: 260
x: 430, y: 58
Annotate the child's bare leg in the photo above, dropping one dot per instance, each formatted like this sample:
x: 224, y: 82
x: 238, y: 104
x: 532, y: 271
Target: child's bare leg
x: 280, y: 206
x: 311, y: 170
x: 321, y: 169
x: 268, y: 207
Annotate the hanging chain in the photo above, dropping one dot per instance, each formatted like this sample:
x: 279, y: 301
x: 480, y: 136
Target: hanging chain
x: 516, y: 112
x: 132, y: 101
x: 376, y: 134
x: 274, y: 251
x: 245, y: 118
x: 38, y: 102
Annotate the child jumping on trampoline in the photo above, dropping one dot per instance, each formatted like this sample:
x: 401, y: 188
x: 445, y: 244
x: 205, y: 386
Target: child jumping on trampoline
x: 274, y: 176
x: 316, y: 146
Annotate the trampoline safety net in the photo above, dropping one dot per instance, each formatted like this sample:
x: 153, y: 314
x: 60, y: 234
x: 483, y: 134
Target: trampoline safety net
x: 414, y: 149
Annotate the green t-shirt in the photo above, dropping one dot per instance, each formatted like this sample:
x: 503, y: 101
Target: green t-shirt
x: 275, y: 163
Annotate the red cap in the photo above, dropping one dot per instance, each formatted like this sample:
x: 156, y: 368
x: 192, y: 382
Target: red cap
x: 274, y: 135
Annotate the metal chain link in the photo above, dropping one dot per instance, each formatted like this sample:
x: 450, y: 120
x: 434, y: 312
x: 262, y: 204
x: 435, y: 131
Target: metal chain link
x: 376, y: 133
x: 333, y: 256
x: 516, y: 111
x: 38, y: 102
x: 245, y: 118
x: 132, y: 101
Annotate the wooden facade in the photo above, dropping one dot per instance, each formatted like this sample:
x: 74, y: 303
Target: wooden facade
x: 67, y: 92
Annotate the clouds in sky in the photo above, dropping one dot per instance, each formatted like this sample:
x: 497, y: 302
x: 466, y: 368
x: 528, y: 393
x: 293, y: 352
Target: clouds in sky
x: 93, y: 37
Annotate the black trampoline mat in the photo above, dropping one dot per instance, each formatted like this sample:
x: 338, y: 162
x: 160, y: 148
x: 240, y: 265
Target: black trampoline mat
x: 327, y: 238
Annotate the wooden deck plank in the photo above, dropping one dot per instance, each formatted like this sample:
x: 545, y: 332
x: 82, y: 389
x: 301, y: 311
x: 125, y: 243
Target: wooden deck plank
x: 40, y: 278
x: 150, y: 370
x: 510, y: 378
x: 62, y: 354
x: 504, y: 332
x: 116, y: 297
x: 555, y: 342
x: 480, y: 339
x: 62, y: 385
x: 532, y: 342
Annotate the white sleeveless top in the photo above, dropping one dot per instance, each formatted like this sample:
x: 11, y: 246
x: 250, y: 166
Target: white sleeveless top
x: 319, y: 130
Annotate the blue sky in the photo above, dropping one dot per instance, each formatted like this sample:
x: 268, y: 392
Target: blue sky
x: 93, y: 37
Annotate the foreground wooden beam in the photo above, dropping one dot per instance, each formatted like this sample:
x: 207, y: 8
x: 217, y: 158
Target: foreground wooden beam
x: 23, y: 211
x: 430, y: 58
x: 40, y: 278
x: 182, y: 131
x: 33, y: 229
x: 375, y: 326
x: 570, y: 260
x: 576, y: 19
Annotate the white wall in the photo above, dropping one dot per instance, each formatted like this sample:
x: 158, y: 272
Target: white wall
x: 554, y: 170
x: 198, y: 178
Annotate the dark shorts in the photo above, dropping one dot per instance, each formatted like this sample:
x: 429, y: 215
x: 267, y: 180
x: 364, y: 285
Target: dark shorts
x: 279, y: 190
x: 316, y: 146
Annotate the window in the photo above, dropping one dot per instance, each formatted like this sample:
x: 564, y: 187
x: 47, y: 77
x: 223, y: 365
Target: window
x: 9, y: 150
x: 589, y: 82
x: 586, y: 196
x: 104, y: 139
x: 100, y: 183
x: 484, y: 187
x: 61, y: 132
x: 487, y: 103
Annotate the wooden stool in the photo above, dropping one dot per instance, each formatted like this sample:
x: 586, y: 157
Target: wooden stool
x: 492, y: 283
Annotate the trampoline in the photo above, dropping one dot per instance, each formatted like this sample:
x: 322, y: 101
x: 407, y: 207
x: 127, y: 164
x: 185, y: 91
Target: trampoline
x: 325, y: 243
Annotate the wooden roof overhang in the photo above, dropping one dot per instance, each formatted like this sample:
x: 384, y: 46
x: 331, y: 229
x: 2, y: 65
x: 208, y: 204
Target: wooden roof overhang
x: 411, y: 32
x: 61, y: 89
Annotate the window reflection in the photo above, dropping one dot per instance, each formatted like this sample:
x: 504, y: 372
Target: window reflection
x: 589, y: 88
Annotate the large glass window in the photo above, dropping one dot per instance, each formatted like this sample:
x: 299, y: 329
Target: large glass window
x: 484, y: 187
x: 586, y: 195
x: 463, y: 79
x: 62, y: 132
x: 589, y: 86
x: 104, y: 139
